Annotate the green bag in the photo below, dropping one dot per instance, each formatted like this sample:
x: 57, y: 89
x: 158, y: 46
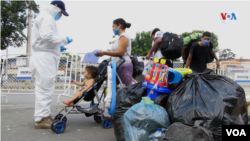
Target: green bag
x: 192, y: 37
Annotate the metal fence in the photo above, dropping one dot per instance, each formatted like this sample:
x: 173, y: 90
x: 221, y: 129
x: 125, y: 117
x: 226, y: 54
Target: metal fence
x: 16, y: 76
x: 11, y: 83
x: 12, y: 67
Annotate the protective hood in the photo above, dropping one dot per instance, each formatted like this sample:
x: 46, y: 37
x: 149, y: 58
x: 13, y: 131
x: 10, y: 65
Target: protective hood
x: 52, y: 10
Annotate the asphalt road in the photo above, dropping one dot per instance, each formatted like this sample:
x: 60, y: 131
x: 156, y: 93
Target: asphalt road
x: 17, y: 123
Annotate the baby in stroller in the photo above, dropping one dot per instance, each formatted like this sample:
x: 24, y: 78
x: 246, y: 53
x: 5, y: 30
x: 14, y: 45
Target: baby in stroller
x: 88, y: 94
x: 90, y: 73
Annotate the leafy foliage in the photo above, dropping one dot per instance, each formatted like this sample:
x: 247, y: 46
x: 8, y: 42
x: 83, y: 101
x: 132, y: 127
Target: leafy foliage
x: 13, y: 20
x: 226, y: 54
x: 142, y: 43
x: 71, y: 57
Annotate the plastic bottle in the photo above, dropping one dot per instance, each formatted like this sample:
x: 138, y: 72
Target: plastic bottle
x: 157, y: 135
x: 163, y: 131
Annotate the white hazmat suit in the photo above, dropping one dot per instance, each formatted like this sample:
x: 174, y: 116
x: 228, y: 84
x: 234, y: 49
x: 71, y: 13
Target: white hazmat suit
x: 45, y: 59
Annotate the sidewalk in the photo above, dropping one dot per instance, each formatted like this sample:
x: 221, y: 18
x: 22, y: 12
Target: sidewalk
x: 17, y: 123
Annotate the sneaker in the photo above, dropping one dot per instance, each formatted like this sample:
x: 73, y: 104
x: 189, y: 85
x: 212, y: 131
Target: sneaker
x: 45, y: 123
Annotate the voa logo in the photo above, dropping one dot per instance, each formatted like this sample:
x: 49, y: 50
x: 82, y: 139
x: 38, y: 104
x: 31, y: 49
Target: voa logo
x: 236, y: 132
x: 228, y: 16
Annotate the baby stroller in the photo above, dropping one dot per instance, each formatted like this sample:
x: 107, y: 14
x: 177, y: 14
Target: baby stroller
x: 59, y: 125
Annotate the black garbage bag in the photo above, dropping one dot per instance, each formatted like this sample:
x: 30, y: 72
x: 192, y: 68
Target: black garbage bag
x: 138, y: 67
x: 125, y: 99
x: 214, y: 97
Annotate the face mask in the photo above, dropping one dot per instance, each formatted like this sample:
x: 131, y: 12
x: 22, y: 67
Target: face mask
x: 116, y: 31
x: 205, y: 42
x: 58, y: 16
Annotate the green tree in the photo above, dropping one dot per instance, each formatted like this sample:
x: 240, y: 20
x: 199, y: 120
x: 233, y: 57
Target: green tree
x: 71, y: 57
x: 13, y: 20
x: 142, y: 43
x: 214, y: 38
x: 226, y: 54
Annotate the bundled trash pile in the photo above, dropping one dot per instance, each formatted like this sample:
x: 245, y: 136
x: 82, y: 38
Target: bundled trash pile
x: 173, y: 101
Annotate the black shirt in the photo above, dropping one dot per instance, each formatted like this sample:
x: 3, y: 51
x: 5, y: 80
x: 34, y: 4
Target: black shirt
x: 199, y: 57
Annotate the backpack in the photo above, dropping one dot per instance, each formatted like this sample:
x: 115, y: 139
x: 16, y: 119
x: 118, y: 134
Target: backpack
x: 181, y: 132
x: 171, y: 46
x: 191, y: 39
x: 188, y: 41
x: 138, y: 67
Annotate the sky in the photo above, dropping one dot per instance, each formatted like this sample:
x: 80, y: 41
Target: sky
x: 90, y: 22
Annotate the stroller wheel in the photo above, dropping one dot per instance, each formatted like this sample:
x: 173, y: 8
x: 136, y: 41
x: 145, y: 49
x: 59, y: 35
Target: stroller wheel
x: 59, y: 116
x: 59, y: 127
x: 107, y: 123
x: 53, y: 125
x: 97, y: 118
x: 161, y: 100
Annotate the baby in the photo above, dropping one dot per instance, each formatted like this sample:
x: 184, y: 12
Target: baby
x: 90, y: 73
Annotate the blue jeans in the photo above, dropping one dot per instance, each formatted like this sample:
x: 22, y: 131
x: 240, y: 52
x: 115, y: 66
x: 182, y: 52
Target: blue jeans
x: 195, y: 72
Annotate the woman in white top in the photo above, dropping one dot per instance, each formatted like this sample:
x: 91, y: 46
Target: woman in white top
x: 121, y: 47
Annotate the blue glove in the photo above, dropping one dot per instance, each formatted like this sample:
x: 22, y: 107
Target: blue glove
x: 62, y: 48
x: 69, y: 40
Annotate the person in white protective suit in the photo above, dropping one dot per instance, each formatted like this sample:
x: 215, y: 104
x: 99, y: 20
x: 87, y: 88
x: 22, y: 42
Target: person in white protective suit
x: 45, y: 58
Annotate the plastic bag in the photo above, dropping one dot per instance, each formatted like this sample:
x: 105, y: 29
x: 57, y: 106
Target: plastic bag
x: 217, y: 98
x: 125, y: 99
x: 143, y: 119
x: 188, y: 133
x: 138, y: 67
